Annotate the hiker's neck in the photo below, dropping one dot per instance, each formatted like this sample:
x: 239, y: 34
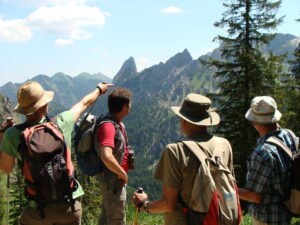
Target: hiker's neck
x: 34, y: 118
x: 265, y: 129
x: 38, y: 115
x: 189, y: 129
x: 119, y: 116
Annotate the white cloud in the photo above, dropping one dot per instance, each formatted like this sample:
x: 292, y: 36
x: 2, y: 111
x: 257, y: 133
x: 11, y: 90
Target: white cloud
x: 295, y: 41
x: 172, y: 9
x: 68, y: 21
x: 38, y: 3
x: 14, y: 31
x: 142, y: 63
x: 63, y: 42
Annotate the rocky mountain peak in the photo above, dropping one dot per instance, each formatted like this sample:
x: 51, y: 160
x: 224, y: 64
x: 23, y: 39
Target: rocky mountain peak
x: 180, y: 59
x: 127, y: 71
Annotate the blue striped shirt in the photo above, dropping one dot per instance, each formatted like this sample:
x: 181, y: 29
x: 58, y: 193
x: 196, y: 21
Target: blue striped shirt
x: 268, y: 175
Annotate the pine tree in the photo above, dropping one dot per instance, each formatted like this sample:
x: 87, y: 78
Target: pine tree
x: 243, y: 71
x: 292, y: 94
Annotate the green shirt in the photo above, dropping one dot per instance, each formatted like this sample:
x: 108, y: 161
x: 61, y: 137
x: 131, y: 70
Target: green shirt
x: 11, y: 139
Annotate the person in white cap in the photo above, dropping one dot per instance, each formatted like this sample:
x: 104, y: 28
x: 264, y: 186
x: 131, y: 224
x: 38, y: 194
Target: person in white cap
x: 267, y: 181
x: 33, y: 103
x: 178, y: 166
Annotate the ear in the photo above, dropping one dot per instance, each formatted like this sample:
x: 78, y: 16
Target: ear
x: 125, y: 106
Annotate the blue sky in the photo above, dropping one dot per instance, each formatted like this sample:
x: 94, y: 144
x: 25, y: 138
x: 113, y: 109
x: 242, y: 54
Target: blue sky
x: 74, y: 36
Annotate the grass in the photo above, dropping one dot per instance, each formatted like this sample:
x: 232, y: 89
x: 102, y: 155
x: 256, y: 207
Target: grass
x: 152, y: 219
x: 143, y: 218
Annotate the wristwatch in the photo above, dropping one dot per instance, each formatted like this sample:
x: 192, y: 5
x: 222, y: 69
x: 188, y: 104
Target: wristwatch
x: 100, y: 90
x: 146, y: 206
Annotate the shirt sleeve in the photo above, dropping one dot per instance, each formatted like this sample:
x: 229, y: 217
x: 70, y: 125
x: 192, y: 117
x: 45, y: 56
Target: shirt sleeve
x: 10, y: 142
x: 259, y: 173
x: 65, y: 121
x: 106, y: 135
x: 168, y: 169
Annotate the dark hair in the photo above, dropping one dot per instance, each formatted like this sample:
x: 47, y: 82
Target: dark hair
x: 117, y: 98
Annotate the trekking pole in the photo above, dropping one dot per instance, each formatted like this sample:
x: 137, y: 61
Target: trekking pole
x: 135, y: 222
x: 7, y: 197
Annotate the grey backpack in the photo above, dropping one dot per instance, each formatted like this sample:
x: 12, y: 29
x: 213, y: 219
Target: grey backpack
x: 214, y: 191
x: 86, y: 144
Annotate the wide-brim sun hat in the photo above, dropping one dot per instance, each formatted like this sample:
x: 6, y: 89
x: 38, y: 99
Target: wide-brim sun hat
x: 31, y: 97
x: 196, y: 109
x: 263, y: 110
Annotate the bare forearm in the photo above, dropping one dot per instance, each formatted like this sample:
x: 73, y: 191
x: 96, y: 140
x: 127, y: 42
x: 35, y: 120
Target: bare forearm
x: 90, y: 98
x: 7, y: 163
x: 84, y: 103
x: 249, y: 196
x: 112, y: 164
x: 159, y: 206
x: 166, y: 203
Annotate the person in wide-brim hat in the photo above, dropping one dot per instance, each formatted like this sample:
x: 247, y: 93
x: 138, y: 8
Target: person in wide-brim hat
x: 197, y: 110
x: 179, y: 169
x: 31, y: 97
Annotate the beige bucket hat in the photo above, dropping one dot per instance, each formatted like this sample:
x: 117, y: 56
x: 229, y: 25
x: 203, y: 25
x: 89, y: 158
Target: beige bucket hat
x: 31, y: 97
x: 263, y: 110
x: 197, y: 110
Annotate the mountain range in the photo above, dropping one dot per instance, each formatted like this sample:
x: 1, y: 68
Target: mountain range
x: 150, y: 124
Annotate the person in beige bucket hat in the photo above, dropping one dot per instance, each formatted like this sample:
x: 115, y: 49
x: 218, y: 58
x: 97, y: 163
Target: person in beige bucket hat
x: 31, y: 97
x: 268, y: 174
x: 263, y: 110
x: 33, y: 102
x: 177, y: 167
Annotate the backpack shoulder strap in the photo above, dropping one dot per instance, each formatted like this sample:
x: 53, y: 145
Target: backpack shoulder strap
x: 282, y: 145
x: 51, y: 119
x: 22, y: 126
x: 294, y: 138
x: 197, y: 149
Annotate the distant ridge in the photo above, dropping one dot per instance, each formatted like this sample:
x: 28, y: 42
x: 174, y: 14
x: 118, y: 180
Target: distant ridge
x: 67, y: 89
x: 167, y: 81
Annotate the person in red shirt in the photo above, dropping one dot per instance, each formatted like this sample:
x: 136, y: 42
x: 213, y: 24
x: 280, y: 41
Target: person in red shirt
x: 114, y: 153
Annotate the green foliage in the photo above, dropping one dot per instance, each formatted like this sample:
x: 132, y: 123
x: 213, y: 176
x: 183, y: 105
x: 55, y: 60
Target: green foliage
x: 157, y: 219
x: 15, y: 196
x: 92, y: 200
x: 3, y: 199
x: 150, y: 126
x: 243, y: 71
x: 142, y: 218
x: 291, y: 94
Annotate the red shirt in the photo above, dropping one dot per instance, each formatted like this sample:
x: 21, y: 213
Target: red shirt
x: 106, y: 136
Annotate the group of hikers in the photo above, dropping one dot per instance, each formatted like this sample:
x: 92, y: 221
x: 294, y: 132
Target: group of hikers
x: 183, y: 169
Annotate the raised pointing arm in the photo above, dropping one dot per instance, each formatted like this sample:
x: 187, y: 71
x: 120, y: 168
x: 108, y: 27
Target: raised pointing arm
x: 89, y: 99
